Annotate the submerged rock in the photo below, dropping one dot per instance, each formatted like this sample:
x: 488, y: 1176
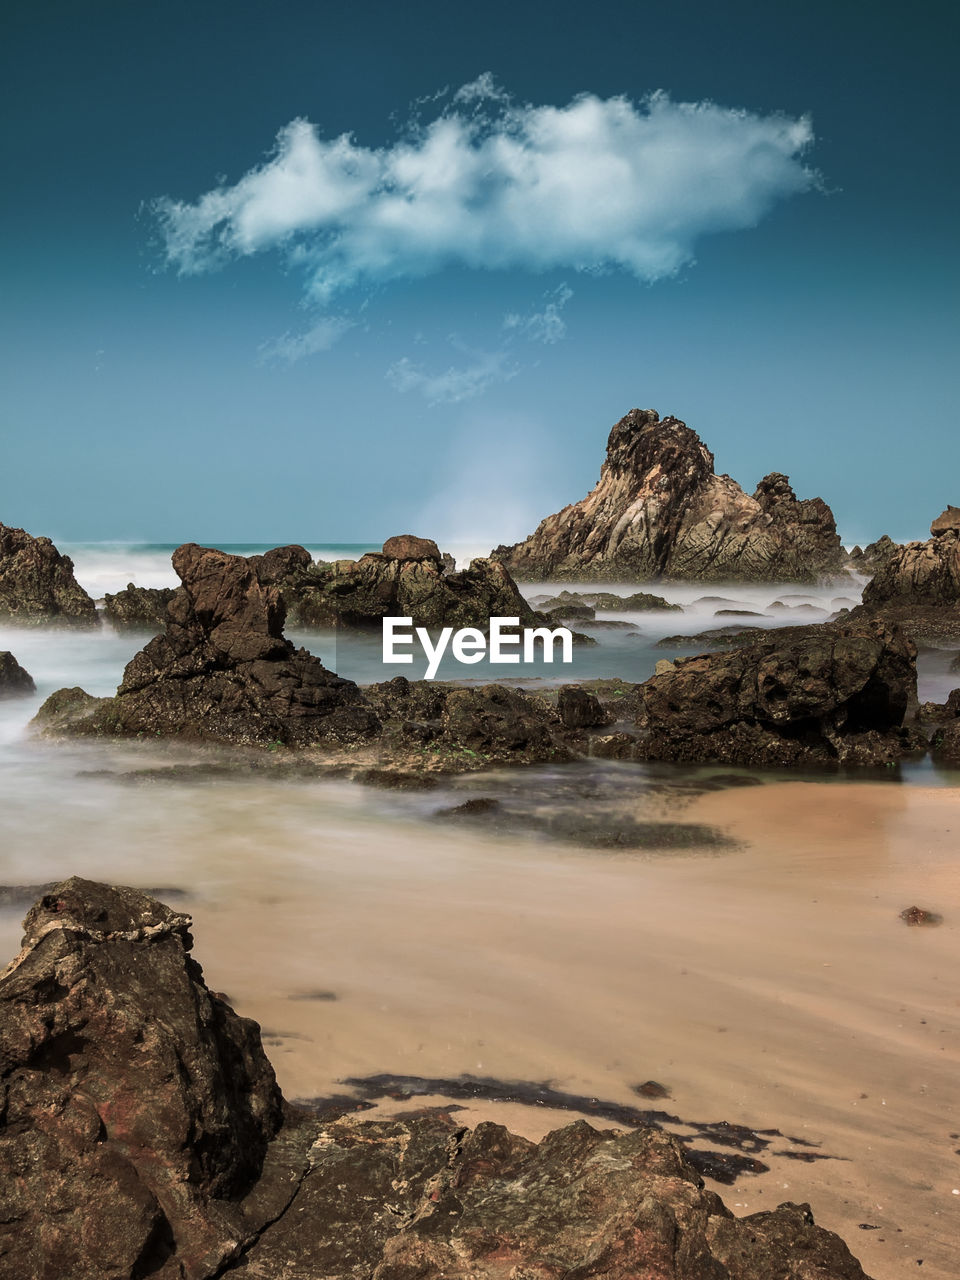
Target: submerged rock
x: 659, y: 511
x: 143, y: 1133
x: 15, y: 682
x: 138, y: 607
x: 222, y: 671
x: 37, y: 585
x: 824, y: 695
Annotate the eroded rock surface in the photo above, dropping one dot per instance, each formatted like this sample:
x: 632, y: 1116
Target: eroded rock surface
x: 37, y: 585
x: 15, y: 682
x: 408, y: 579
x: 921, y: 573
x: 821, y: 695
x: 222, y: 670
x: 143, y: 1134
x: 659, y: 511
x: 139, y: 608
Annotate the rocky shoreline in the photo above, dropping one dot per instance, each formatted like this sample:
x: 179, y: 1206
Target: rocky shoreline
x: 143, y: 1133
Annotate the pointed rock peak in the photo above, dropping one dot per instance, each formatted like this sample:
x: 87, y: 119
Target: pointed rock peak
x: 948, y: 522
x: 641, y: 441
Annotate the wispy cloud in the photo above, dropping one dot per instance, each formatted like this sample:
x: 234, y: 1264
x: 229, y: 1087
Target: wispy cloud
x: 292, y: 347
x: 455, y: 383
x: 601, y: 183
x: 547, y: 326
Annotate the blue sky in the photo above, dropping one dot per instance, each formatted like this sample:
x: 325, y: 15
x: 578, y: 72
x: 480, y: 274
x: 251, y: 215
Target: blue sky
x: 320, y: 272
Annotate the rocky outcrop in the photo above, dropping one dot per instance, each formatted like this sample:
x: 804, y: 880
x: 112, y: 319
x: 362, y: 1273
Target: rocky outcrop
x: 222, y: 671
x: 37, y: 585
x: 428, y: 722
x: 945, y: 744
x: 14, y: 681
x: 871, y: 558
x: 834, y: 694
x: 921, y: 573
x: 138, y: 608
x: 659, y: 511
x: 143, y: 1134
x: 408, y: 579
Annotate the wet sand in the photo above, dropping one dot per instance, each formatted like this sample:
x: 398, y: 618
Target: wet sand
x: 772, y: 986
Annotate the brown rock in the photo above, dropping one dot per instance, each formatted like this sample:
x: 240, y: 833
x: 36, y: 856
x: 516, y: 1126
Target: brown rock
x: 222, y: 671
x: 947, y: 522
x: 14, y: 681
x: 138, y: 608
x: 829, y: 694
x: 580, y: 709
x: 37, y: 585
x: 659, y: 511
x: 405, y: 546
x: 143, y: 1134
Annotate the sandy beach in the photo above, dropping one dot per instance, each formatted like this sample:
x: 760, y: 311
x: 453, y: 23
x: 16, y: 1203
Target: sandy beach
x: 772, y: 986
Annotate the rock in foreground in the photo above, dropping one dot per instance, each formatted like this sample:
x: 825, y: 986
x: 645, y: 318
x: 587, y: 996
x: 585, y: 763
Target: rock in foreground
x: 14, y: 681
x: 37, y: 585
x: 659, y: 511
x: 143, y: 1134
x: 820, y: 695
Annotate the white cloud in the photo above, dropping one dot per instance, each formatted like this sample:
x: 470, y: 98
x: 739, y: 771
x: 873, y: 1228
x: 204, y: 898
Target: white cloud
x: 453, y: 384
x: 547, y: 326
x: 596, y: 184
x: 321, y: 336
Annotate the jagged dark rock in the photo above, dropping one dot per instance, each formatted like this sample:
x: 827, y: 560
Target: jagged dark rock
x: 488, y: 724
x: 14, y: 681
x: 143, y: 1134
x: 408, y: 579
x: 139, y: 608
x: 826, y: 695
x: 659, y: 511
x: 37, y: 585
x: 222, y: 671
x: 580, y: 709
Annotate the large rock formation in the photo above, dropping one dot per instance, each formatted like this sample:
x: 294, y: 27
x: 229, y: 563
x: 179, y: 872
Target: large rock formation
x: 921, y: 573
x: 222, y: 671
x: 408, y: 579
x: 825, y: 695
x: 142, y: 1133
x: 659, y: 511
x: 37, y: 585
x: 138, y: 608
x: 14, y: 681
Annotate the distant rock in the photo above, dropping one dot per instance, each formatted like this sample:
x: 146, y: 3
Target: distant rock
x: 138, y: 608
x: 37, y: 586
x: 222, y: 671
x: 826, y: 695
x: 921, y: 573
x: 659, y: 511
x: 405, y: 546
x: 871, y: 558
x: 14, y: 681
x: 408, y: 579
x: 143, y: 1134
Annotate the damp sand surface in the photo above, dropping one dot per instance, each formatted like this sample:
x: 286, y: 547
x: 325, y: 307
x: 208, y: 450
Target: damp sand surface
x: 770, y: 985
